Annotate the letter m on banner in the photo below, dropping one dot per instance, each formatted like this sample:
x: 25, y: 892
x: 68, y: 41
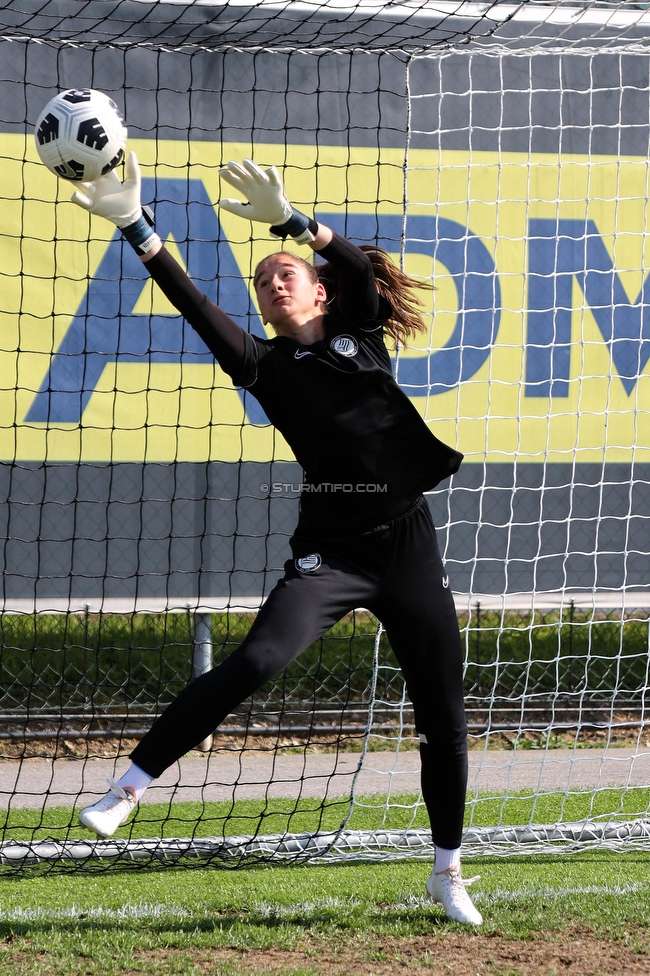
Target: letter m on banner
x: 558, y: 252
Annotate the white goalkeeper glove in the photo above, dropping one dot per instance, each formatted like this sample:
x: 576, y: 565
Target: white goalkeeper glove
x: 266, y: 201
x: 120, y: 203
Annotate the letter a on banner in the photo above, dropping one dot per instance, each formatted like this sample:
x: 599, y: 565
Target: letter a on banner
x: 105, y: 327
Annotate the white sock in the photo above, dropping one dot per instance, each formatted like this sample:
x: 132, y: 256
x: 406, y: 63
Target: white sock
x: 137, y: 779
x: 446, y: 859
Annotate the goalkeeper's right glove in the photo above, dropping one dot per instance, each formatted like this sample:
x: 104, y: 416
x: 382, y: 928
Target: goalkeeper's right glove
x: 266, y: 201
x: 120, y: 203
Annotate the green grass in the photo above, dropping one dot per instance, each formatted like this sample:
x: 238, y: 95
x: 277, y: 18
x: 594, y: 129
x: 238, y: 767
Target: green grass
x: 165, y: 921
x: 295, y: 816
x: 128, y: 919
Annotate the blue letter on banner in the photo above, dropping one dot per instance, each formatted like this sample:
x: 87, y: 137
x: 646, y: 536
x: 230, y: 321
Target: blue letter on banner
x: 104, y: 328
x: 558, y: 251
x: 477, y: 287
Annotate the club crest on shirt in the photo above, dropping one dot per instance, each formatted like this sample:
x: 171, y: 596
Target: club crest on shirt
x: 345, y: 345
x: 307, y: 564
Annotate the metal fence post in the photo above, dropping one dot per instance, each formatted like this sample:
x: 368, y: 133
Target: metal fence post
x: 202, y: 657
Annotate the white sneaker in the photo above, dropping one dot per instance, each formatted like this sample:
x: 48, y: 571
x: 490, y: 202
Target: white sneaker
x: 450, y: 890
x: 109, y: 813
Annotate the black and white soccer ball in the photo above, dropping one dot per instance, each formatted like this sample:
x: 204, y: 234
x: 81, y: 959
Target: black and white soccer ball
x: 80, y: 135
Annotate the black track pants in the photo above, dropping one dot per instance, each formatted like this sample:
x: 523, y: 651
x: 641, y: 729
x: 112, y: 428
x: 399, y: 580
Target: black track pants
x: 395, y: 571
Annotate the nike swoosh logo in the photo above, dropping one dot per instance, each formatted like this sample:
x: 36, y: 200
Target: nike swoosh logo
x: 298, y: 354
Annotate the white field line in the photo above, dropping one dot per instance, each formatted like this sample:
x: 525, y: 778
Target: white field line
x: 123, y: 913
x: 548, y: 893
x: 526, y: 894
x: 143, y: 911
x: 303, y: 908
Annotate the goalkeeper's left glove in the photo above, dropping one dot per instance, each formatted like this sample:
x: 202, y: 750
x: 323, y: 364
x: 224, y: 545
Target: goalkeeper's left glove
x: 266, y: 201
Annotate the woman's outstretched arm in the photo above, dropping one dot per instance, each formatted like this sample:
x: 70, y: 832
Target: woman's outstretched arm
x: 356, y: 294
x: 120, y: 203
x: 232, y: 347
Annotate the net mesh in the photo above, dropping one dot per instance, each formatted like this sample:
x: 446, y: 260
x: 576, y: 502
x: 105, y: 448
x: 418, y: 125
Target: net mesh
x: 147, y: 504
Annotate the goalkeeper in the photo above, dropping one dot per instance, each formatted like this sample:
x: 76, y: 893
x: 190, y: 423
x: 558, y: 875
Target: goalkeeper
x: 364, y: 537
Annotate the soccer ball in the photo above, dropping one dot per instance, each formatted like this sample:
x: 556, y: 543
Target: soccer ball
x: 80, y: 135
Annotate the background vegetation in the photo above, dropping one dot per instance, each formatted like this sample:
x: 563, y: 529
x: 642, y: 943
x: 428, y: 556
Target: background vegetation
x: 138, y: 663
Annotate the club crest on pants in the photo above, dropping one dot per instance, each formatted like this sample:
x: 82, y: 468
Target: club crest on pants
x: 307, y: 564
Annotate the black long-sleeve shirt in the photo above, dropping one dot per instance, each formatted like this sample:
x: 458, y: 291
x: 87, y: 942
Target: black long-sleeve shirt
x: 365, y: 451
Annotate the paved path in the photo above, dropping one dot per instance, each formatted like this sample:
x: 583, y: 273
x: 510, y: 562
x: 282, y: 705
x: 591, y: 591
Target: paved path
x: 253, y: 775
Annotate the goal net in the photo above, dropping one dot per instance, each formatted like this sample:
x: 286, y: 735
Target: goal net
x: 496, y: 150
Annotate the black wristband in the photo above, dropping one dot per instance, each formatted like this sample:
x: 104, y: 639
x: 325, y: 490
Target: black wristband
x: 299, y: 226
x: 141, y: 235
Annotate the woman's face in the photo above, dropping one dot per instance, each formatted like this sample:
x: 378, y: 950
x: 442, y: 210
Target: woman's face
x: 286, y: 294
